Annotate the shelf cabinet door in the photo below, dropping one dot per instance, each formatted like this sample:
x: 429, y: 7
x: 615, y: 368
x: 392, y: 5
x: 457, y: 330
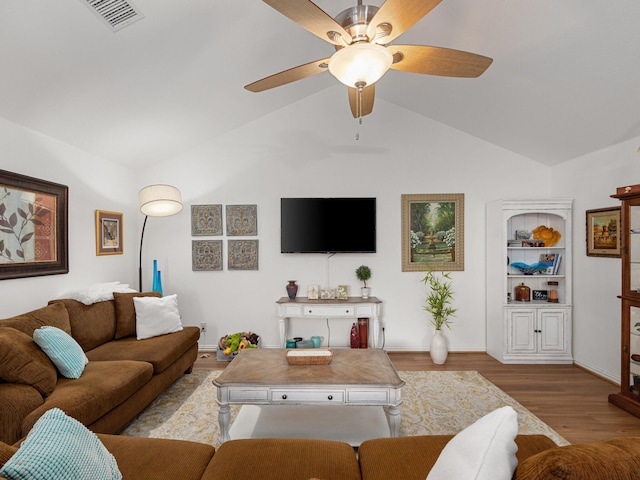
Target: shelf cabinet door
x: 552, y: 331
x: 521, y: 324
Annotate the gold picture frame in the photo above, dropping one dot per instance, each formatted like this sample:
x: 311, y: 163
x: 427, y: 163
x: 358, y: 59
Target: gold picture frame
x: 109, y: 233
x: 433, y: 232
x: 603, y: 232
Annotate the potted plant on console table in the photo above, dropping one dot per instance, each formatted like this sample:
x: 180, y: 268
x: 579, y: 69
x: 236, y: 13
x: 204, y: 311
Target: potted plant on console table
x: 364, y: 273
x: 438, y: 304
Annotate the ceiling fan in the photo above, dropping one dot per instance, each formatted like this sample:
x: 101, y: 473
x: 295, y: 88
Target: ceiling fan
x: 360, y: 36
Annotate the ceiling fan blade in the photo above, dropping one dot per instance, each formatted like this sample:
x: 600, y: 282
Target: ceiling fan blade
x: 401, y: 15
x: 438, y: 61
x: 362, y: 104
x: 308, y: 15
x: 288, y: 76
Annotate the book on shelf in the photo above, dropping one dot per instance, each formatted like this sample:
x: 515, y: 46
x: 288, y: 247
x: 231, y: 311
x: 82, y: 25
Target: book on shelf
x: 556, y: 264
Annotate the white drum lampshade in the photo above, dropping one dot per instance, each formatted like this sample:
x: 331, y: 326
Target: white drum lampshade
x: 160, y: 200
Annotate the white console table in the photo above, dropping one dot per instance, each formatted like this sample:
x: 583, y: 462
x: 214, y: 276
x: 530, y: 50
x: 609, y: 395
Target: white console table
x: 353, y: 308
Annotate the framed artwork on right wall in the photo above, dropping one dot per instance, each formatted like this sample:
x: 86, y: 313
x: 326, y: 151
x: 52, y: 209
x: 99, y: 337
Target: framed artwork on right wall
x: 603, y: 232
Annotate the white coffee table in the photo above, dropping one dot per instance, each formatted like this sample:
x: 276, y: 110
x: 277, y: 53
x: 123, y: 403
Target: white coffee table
x: 355, y: 397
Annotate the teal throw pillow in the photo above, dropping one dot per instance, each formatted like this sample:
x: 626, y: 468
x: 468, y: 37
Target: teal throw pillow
x: 60, y: 447
x: 61, y: 348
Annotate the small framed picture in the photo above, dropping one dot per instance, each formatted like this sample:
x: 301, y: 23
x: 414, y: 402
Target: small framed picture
x: 328, y: 294
x: 343, y: 292
x: 313, y: 291
x: 109, y: 233
x: 603, y: 237
x: 541, y: 295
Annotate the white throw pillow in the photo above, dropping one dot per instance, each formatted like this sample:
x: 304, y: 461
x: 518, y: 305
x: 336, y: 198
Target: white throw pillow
x: 484, y: 450
x: 156, y: 316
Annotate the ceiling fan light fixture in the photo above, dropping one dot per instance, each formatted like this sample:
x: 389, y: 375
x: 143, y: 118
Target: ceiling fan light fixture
x: 360, y: 64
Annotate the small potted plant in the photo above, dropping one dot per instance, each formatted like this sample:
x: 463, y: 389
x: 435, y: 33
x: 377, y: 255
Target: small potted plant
x: 364, y: 273
x: 438, y: 304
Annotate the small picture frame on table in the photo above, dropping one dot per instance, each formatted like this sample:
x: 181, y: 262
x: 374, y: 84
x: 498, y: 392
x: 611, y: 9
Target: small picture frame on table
x: 313, y: 292
x: 343, y: 292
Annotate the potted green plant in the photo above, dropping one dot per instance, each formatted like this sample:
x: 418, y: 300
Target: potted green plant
x: 364, y: 273
x: 439, y: 304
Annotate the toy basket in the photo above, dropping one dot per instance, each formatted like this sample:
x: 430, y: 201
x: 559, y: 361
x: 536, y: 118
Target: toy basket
x: 309, y: 356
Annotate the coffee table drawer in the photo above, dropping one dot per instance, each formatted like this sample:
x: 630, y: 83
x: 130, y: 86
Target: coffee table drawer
x: 376, y: 397
x: 307, y: 396
x: 249, y: 395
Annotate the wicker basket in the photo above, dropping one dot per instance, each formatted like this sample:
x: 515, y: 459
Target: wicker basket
x: 309, y: 356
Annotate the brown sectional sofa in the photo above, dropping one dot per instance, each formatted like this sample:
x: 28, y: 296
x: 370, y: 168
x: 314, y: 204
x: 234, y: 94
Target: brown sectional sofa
x: 123, y: 375
x: 406, y: 458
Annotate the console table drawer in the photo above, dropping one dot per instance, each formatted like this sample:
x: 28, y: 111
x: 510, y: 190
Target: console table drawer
x: 365, y: 311
x: 307, y: 396
x: 341, y: 311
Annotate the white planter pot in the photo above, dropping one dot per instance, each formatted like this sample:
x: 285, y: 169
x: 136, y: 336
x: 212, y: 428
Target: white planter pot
x: 365, y: 292
x: 438, y: 349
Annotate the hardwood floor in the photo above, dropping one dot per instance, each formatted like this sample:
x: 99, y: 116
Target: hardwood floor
x: 569, y: 399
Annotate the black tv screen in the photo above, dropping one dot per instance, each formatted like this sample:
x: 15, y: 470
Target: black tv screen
x: 328, y: 225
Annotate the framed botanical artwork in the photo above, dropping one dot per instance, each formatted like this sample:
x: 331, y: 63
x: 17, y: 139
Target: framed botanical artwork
x: 242, y: 220
x: 242, y: 254
x: 109, y: 233
x: 313, y: 292
x: 33, y: 227
x: 206, y: 255
x: 603, y: 232
x: 343, y: 292
x: 206, y: 220
x: 432, y: 232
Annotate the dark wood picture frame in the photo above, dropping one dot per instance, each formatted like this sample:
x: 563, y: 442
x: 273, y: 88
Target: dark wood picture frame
x: 603, y: 232
x: 34, y: 227
x: 109, y: 233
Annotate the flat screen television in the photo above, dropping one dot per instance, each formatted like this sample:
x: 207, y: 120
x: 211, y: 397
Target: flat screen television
x: 328, y: 225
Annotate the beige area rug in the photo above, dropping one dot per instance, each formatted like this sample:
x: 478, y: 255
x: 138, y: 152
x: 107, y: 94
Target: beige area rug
x: 433, y: 403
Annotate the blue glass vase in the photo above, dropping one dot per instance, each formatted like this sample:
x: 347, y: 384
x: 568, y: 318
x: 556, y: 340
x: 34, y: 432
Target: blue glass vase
x: 158, y: 283
x: 155, y: 277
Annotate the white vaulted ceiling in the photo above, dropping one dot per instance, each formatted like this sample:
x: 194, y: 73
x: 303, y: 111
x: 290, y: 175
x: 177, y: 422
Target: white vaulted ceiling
x: 565, y: 79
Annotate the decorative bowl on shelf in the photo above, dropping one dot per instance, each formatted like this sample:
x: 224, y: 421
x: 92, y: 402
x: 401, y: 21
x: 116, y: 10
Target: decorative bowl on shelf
x: 536, y: 268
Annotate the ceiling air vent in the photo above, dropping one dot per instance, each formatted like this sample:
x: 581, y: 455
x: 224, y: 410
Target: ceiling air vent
x: 115, y: 14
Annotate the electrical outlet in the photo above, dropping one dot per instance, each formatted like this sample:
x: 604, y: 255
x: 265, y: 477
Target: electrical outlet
x: 203, y: 327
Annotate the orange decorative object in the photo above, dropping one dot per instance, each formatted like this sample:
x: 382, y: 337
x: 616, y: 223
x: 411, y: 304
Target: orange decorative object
x: 547, y: 234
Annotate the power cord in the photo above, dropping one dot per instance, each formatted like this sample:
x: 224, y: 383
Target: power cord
x: 384, y: 338
x: 328, y: 334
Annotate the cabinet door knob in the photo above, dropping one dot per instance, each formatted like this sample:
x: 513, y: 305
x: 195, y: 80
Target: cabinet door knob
x: 330, y: 397
x: 284, y: 397
x: 347, y: 311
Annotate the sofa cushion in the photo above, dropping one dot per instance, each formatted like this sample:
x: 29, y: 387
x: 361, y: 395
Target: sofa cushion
x: 160, y: 351
x: 22, y: 361
x: 61, y: 447
x: 102, y: 387
x: 91, y: 325
x: 157, y: 316
x: 98, y: 292
x: 16, y: 402
x: 62, y: 350
x: 126, y: 313
x: 325, y: 459
x: 52, y: 315
x: 6, y: 452
x: 411, y: 458
x: 154, y: 458
x: 484, y: 450
x: 618, y: 458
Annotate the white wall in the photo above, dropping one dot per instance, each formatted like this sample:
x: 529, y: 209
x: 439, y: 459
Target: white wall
x: 591, y: 180
x: 94, y: 184
x: 292, y: 153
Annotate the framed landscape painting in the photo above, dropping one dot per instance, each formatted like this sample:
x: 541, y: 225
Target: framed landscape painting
x: 432, y: 232
x: 33, y: 227
x: 603, y: 232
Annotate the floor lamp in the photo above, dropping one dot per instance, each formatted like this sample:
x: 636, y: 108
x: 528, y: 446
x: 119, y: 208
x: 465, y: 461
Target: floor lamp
x: 157, y: 201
